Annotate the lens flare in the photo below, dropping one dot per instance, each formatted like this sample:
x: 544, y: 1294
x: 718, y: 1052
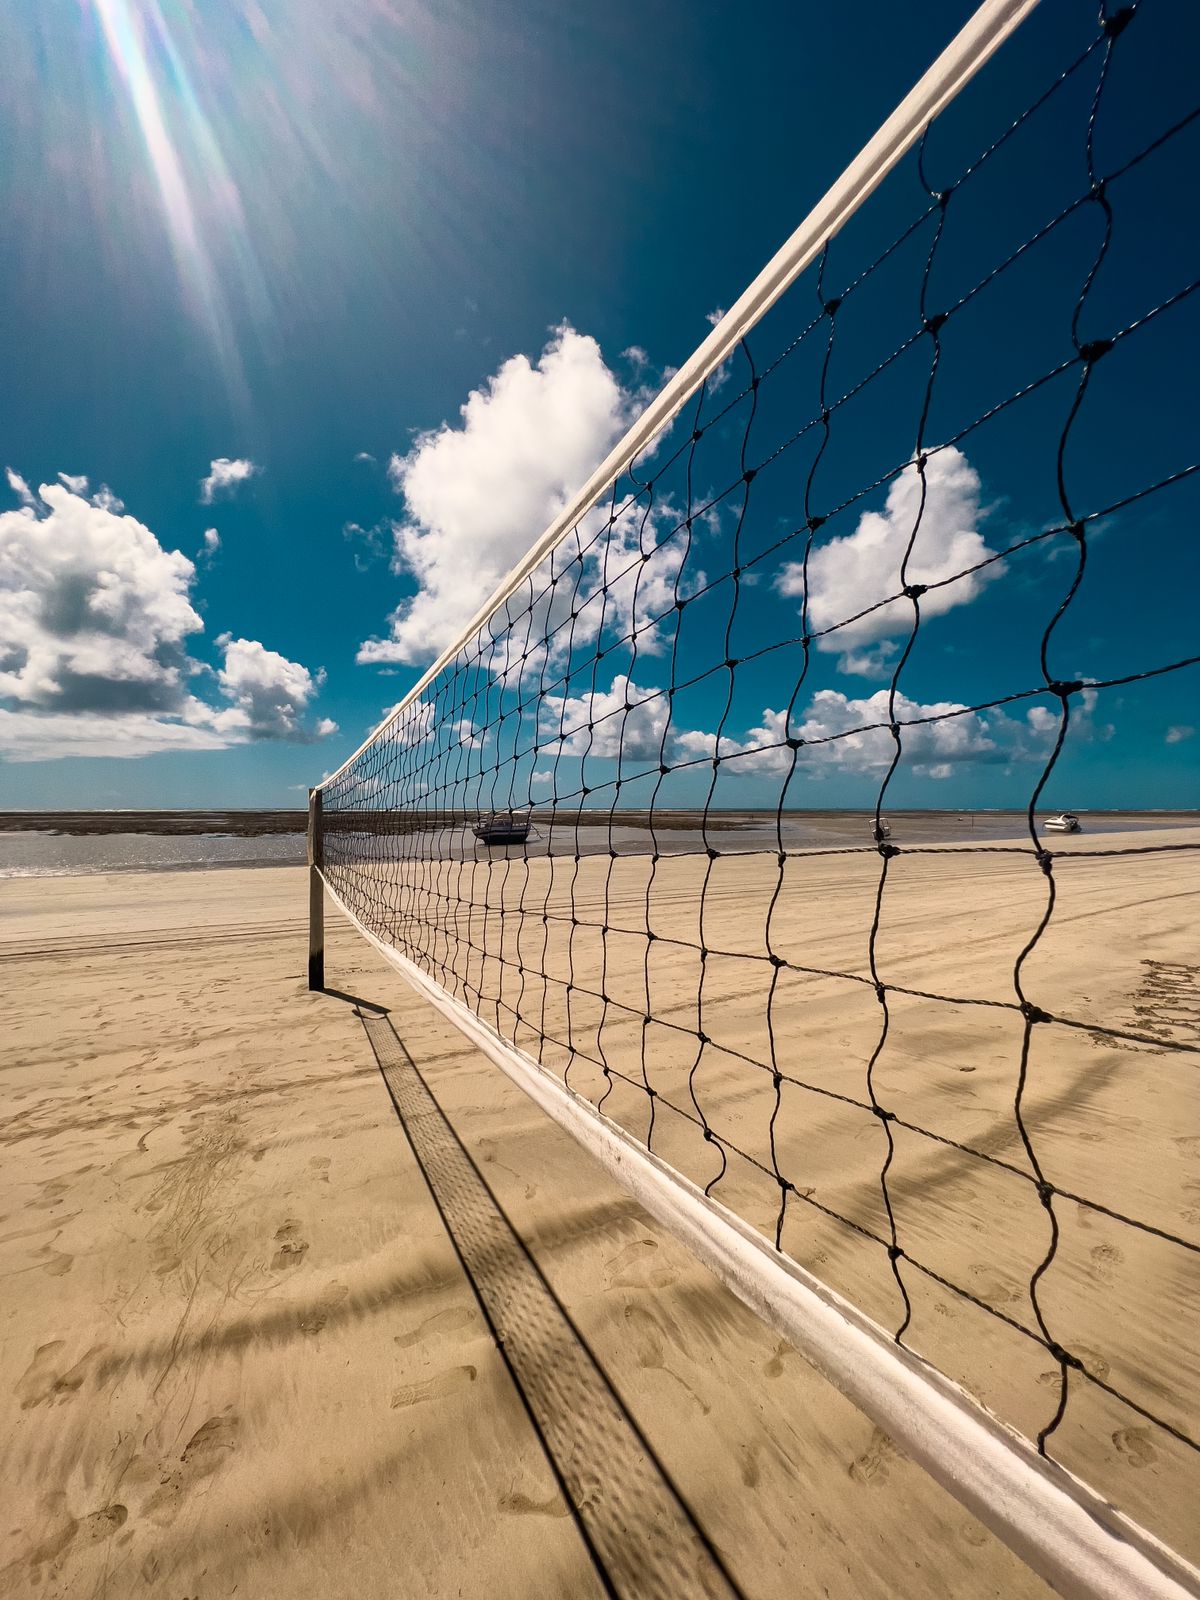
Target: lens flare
x: 143, y: 61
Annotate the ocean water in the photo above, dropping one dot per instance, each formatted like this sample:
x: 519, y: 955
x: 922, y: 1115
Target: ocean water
x: 62, y: 855
x: 38, y: 854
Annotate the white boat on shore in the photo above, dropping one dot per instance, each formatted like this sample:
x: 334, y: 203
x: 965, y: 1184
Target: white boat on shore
x: 503, y: 827
x: 1065, y: 822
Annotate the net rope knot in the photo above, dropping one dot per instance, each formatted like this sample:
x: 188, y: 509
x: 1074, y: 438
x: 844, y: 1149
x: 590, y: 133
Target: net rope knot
x: 1091, y: 352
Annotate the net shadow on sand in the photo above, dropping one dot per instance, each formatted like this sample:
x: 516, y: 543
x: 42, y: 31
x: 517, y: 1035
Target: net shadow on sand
x: 640, y: 1534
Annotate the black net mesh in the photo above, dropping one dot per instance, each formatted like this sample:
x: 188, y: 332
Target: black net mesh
x: 946, y: 1061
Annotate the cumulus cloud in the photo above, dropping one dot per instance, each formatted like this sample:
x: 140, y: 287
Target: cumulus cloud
x: 76, y: 482
x: 931, y: 749
x: 1180, y: 731
x: 209, y: 545
x: 828, y: 725
x: 844, y: 733
x: 631, y: 722
x: 476, y: 494
x: 94, y: 613
x: 96, y: 619
x: 268, y: 693
x: 624, y: 720
x: 861, y: 569
x: 836, y: 733
x: 224, y: 475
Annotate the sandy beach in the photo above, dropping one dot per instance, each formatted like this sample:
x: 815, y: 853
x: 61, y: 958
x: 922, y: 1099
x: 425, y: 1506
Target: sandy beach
x: 302, y: 1296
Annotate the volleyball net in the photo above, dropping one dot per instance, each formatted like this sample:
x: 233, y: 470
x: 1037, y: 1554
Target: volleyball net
x: 693, y: 828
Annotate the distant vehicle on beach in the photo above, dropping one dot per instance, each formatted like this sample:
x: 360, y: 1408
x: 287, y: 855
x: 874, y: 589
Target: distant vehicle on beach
x: 1065, y: 822
x: 502, y: 827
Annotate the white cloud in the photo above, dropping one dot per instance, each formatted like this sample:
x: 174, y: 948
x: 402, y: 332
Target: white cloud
x: 847, y: 575
x: 210, y: 544
x: 38, y: 736
x: 95, y: 623
x: 842, y: 733
x: 19, y: 487
x: 224, y: 474
x: 370, y: 544
x: 931, y: 749
x: 477, y: 494
x: 107, y: 500
x: 636, y: 732
x: 269, y: 694
x: 839, y: 734
x: 76, y: 482
x: 94, y: 613
x: 1179, y: 732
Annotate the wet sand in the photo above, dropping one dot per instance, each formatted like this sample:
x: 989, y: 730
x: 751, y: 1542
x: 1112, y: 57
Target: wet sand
x: 243, y: 1349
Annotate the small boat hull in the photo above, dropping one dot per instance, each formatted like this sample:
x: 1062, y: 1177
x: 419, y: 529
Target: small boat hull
x: 502, y: 829
x: 1068, y: 822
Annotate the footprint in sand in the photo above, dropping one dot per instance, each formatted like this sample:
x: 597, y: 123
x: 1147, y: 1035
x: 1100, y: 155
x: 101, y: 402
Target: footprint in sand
x: 520, y: 1505
x: 442, y: 1322
x: 1093, y: 1363
x: 649, y: 1349
x: 1133, y: 1444
x: 102, y: 1524
x: 748, y: 1467
x: 487, y: 1153
x: 1105, y: 1259
x: 992, y: 1289
x: 635, y: 1267
x: 320, y: 1168
x: 318, y: 1314
x: 292, y: 1248
x: 872, y: 1465
x: 213, y: 1442
x: 210, y: 1439
x: 774, y: 1366
x: 1189, y: 1143
x: 415, y: 1394
x: 57, y: 1533
x: 53, y: 1191
x: 48, y: 1379
x: 55, y: 1262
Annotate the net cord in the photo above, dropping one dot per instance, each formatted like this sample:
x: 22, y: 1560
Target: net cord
x: 976, y: 42
x: 1069, y: 1535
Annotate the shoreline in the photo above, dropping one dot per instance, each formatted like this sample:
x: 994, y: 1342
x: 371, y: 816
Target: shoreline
x: 31, y: 855
x: 253, y: 823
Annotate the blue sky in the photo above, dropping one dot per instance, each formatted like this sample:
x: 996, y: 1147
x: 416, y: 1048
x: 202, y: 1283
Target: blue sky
x: 259, y: 232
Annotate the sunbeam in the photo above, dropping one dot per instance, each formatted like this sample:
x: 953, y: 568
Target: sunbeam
x: 141, y: 55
